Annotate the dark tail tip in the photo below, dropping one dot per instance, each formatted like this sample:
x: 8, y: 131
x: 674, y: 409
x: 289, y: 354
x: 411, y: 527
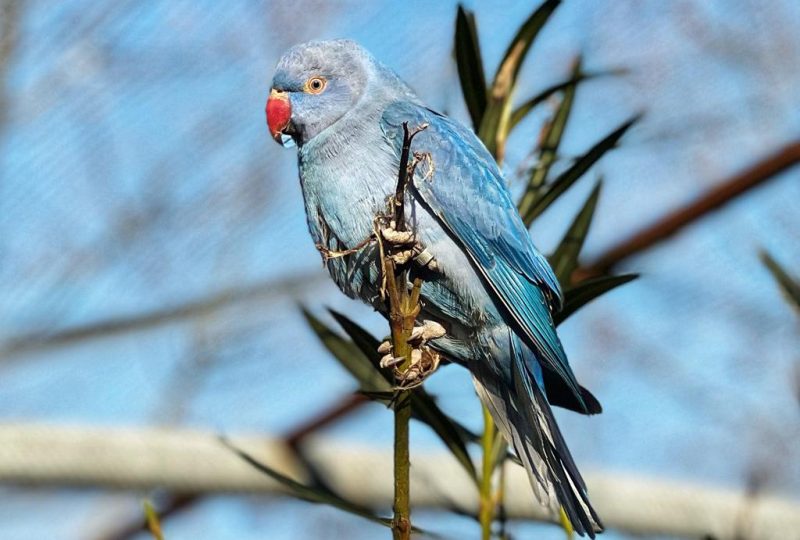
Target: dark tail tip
x: 559, y: 394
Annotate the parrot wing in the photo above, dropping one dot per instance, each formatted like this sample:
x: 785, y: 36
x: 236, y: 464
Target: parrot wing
x: 467, y: 194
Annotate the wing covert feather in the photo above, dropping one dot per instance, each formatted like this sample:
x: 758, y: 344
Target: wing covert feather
x: 467, y: 193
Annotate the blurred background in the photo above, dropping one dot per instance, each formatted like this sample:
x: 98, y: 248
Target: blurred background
x: 154, y: 251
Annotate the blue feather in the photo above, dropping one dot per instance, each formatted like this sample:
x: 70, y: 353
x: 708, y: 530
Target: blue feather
x: 467, y: 194
x: 491, y: 289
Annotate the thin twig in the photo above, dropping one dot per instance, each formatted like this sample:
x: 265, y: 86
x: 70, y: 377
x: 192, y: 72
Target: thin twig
x: 10, y: 25
x: 403, y: 175
x: 716, y: 197
x: 350, y: 403
x: 486, y: 508
x: 403, y: 307
x: 173, y: 506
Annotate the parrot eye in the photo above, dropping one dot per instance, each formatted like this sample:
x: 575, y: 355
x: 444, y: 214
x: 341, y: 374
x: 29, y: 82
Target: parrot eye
x: 315, y: 85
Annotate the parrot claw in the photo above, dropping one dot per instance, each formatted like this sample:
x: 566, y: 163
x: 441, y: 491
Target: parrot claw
x: 390, y: 361
x: 393, y: 236
x: 406, y: 246
x: 427, y: 331
x: 402, y: 257
x: 385, y: 347
x: 424, y: 361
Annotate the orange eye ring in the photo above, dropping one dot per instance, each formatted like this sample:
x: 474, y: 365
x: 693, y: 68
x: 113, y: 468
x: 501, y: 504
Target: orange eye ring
x: 315, y: 85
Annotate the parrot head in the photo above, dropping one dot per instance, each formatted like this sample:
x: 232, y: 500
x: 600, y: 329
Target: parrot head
x: 315, y: 84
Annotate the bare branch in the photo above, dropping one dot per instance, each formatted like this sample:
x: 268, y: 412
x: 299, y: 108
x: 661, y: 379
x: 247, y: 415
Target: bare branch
x: 190, y: 310
x: 715, y: 198
x: 10, y: 16
x: 194, y: 462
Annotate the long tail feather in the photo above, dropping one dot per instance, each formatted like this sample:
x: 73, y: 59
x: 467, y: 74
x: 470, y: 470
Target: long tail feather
x: 520, y: 409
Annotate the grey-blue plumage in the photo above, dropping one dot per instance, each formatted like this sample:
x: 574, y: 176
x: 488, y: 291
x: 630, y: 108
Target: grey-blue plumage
x: 491, y: 289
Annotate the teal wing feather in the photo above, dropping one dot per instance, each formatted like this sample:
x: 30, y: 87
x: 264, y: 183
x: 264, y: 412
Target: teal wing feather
x: 467, y: 194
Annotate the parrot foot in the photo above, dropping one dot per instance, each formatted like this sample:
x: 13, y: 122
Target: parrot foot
x: 398, y: 238
x: 328, y: 254
x: 424, y: 361
x: 402, y: 257
x: 388, y: 361
x: 385, y: 347
x: 407, y: 247
x: 427, y: 331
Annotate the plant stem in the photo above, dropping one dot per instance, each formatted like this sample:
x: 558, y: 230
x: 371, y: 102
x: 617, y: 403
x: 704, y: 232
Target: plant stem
x: 486, y: 511
x: 403, y: 311
x: 401, y: 524
x: 502, y: 518
x: 403, y: 307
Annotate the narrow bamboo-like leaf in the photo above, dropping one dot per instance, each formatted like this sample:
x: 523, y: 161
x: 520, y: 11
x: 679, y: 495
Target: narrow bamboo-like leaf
x: 564, y: 259
x: 311, y: 494
x: 523, y: 110
x: 519, y: 114
x: 365, y: 341
x: 350, y: 356
x: 383, y: 397
x: 494, y: 126
x: 423, y: 405
x: 453, y: 435
x: 361, y: 358
x: 586, y: 291
x: 470, y: 65
x: 500, y: 451
x: 518, y: 48
x: 563, y: 182
x: 789, y: 286
x: 152, y: 520
x: 549, y: 146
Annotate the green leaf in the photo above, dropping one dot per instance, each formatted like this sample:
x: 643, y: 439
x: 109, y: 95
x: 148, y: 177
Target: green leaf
x: 789, y: 286
x: 423, y: 405
x: 470, y: 65
x: 362, y: 339
x: 452, y: 434
x: 352, y: 358
x: 499, y: 452
x: 383, y: 397
x: 494, y: 127
x: 319, y: 495
x: 152, y: 520
x: 564, y: 259
x: 586, y: 291
x: 507, y: 73
x: 361, y: 358
x: 523, y: 110
x: 550, y: 143
x: 563, y: 182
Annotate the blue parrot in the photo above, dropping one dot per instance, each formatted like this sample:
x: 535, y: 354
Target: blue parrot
x: 489, y: 287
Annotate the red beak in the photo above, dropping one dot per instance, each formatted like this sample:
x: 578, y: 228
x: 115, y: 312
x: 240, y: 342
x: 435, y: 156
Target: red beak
x: 279, y: 113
